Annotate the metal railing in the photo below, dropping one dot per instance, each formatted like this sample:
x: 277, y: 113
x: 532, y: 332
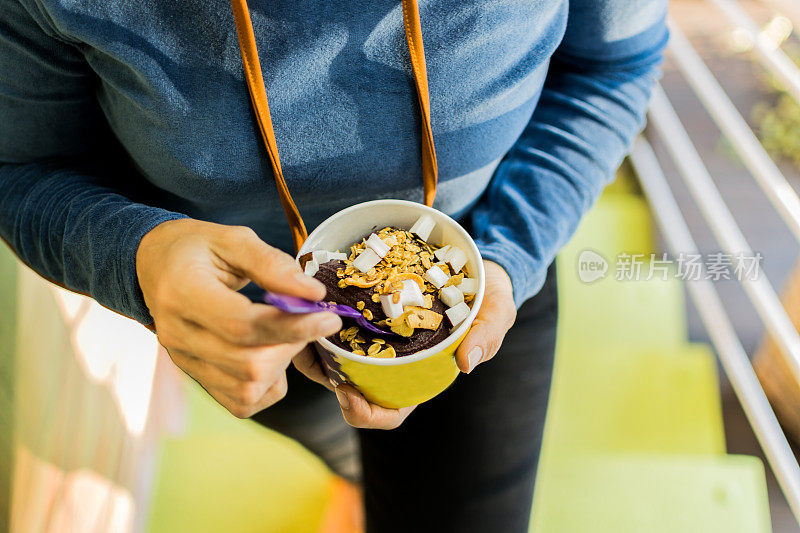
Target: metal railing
x: 731, y: 353
x: 667, y: 126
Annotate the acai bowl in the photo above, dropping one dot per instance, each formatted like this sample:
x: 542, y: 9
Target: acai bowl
x: 434, y: 293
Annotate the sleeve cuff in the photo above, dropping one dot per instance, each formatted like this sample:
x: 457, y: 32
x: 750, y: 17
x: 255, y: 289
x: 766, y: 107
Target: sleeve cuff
x: 526, y: 278
x: 132, y: 304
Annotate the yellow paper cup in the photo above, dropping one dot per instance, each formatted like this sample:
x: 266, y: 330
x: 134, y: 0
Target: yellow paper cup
x: 418, y: 377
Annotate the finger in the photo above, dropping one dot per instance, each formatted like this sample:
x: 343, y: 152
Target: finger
x: 486, y: 335
x: 270, y: 268
x: 258, y: 363
x: 309, y: 365
x: 273, y: 395
x: 243, y: 398
x: 358, y: 412
x: 238, y: 320
x: 220, y: 380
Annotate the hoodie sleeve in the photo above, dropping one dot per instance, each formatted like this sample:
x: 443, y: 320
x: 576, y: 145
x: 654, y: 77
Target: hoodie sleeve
x: 592, y: 106
x: 66, y: 207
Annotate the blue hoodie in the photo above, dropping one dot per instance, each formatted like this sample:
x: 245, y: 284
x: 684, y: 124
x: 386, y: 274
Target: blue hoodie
x: 117, y: 116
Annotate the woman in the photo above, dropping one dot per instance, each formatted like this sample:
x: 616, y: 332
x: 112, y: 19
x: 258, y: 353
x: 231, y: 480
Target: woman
x: 133, y: 170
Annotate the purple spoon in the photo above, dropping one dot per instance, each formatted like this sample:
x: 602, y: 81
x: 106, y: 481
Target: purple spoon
x: 295, y: 305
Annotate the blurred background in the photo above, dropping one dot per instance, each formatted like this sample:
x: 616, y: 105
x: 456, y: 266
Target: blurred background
x: 646, y: 429
x: 773, y: 114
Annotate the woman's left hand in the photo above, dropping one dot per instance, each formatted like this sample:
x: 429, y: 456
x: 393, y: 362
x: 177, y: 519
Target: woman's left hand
x: 357, y: 411
x: 495, y: 318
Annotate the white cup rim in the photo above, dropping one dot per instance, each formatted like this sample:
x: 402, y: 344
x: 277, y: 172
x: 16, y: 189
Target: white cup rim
x: 454, y: 334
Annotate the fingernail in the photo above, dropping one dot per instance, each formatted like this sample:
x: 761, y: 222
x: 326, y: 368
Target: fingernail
x: 474, y: 357
x: 342, y: 397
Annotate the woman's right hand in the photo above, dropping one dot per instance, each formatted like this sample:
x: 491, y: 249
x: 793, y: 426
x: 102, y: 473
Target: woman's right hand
x: 189, y: 272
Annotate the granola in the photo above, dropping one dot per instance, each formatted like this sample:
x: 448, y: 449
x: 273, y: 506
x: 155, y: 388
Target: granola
x: 393, y: 268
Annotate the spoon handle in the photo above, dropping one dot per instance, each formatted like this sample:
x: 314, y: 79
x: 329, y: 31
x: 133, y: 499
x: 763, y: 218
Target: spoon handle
x: 295, y: 305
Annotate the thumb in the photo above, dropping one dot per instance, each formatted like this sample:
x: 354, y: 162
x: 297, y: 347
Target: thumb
x: 496, y: 316
x: 307, y: 362
x: 481, y: 343
x: 273, y: 270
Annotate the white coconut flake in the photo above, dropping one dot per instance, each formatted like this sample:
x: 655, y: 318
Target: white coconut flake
x: 423, y: 227
x: 366, y: 260
x: 320, y: 256
x: 337, y: 255
x: 441, y: 253
x: 411, y: 294
x: 457, y: 313
x: 468, y: 286
x: 311, y: 267
x: 436, y: 276
x: 377, y: 245
x: 456, y: 259
x: 451, y: 296
x: 391, y: 309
